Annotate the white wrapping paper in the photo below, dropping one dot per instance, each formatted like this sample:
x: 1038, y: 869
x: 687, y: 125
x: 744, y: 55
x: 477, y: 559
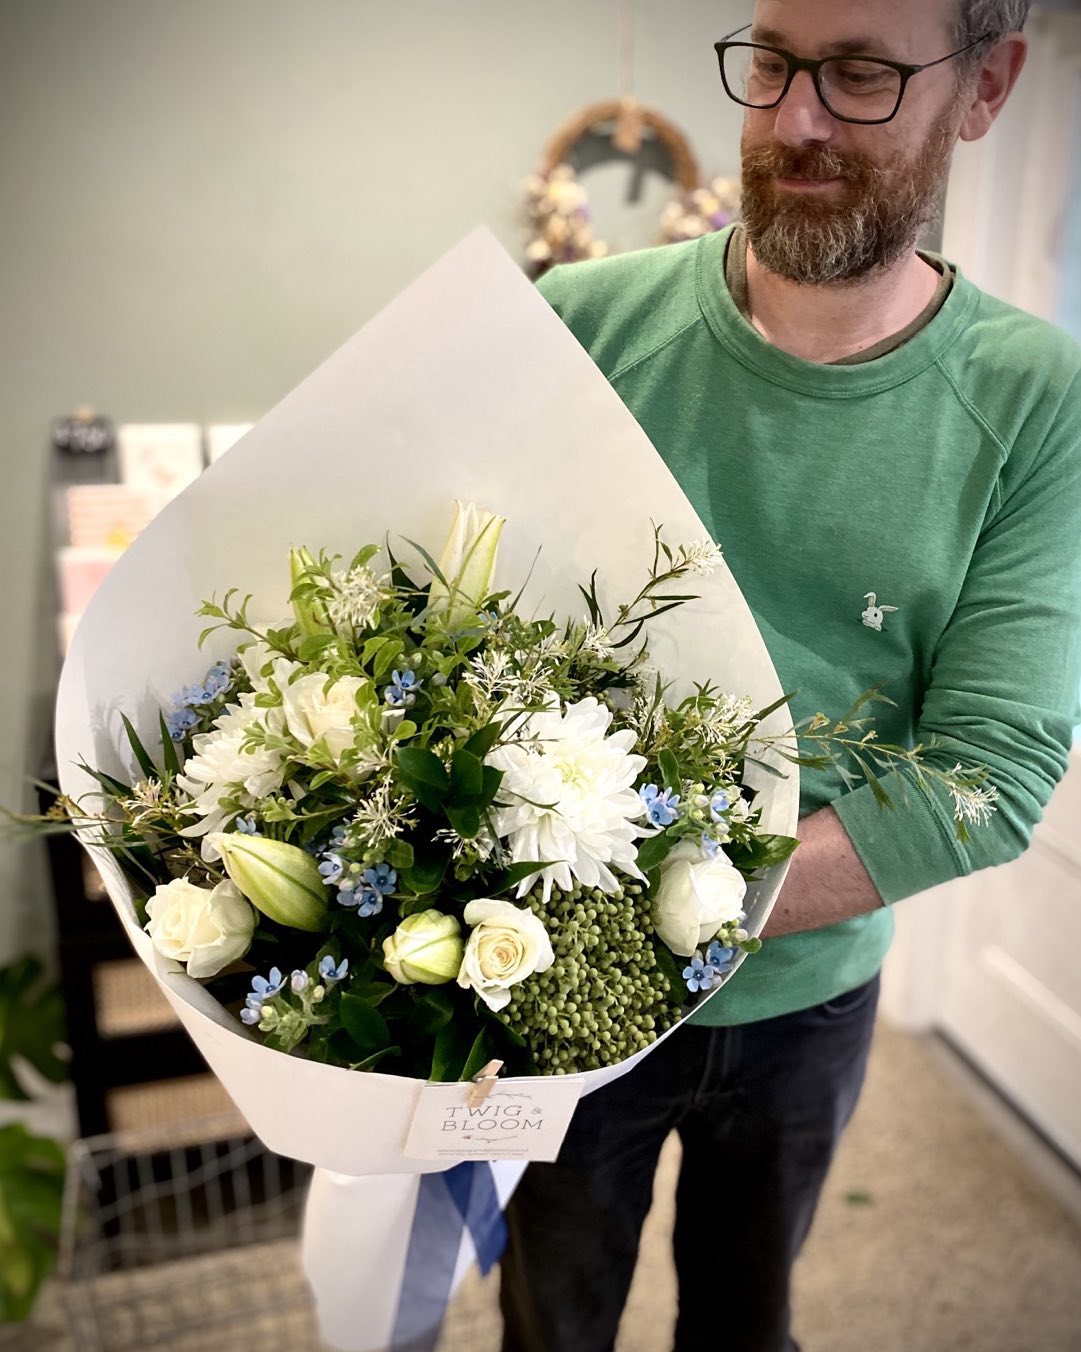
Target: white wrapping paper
x: 467, y: 386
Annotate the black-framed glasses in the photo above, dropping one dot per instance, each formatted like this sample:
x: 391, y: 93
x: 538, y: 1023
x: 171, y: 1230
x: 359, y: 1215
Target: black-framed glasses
x: 862, y: 89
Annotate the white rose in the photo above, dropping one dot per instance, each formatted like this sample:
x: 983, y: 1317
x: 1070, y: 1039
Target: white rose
x: 507, y: 944
x: 696, y: 896
x: 315, y: 708
x: 205, y: 928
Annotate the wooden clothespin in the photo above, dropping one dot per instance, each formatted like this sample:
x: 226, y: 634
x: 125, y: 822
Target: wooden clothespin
x: 483, y: 1081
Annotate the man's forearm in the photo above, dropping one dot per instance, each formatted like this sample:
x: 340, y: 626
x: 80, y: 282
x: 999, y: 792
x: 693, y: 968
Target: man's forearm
x: 826, y: 881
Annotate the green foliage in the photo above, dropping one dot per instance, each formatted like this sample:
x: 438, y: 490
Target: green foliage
x: 365, y: 1025
x: 764, y: 851
x: 31, y: 1025
x: 31, y: 1196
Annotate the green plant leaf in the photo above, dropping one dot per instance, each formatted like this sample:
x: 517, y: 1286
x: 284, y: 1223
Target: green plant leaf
x: 399, y: 854
x: 669, y: 768
x: 483, y: 740
x: 31, y: 1196
x: 426, y: 873
x: 453, y: 1044
x: 481, y: 1052
x: 465, y: 820
x: 491, y: 779
x: 366, y: 1026
x: 431, y: 1012
x: 388, y: 655
x: 170, y: 759
x: 315, y: 645
x: 654, y: 850
x: 512, y: 876
x: 672, y: 972
x: 31, y: 1025
x: 763, y: 852
x: 145, y: 763
x: 422, y: 771
x: 466, y: 775
x: 370, y: 1062
x: 372, y: 992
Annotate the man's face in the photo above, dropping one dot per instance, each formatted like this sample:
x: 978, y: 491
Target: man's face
x: 830, y: 201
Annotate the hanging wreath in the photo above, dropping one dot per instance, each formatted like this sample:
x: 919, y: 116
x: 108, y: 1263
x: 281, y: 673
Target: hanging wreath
x: 558, y: 208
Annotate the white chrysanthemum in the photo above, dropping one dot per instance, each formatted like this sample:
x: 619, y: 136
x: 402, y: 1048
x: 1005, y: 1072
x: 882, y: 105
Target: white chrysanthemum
x: 221, y: 768
x: 569, y: 795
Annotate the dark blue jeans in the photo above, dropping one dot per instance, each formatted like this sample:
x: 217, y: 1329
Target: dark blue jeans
x: 759, y: 1109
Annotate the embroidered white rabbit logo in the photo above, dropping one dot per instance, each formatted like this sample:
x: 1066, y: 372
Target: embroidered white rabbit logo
x: 872, y: 616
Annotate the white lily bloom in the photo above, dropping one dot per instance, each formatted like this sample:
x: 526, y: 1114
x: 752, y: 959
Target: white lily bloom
x: 570, y: 799
x: 467, y: 564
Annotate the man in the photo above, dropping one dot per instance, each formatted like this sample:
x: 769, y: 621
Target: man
x: 891, y: 461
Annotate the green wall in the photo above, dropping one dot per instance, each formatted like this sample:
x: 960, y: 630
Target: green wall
x: 201, y: 199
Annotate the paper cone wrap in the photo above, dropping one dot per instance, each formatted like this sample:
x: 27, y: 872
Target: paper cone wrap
x: 467, y: 386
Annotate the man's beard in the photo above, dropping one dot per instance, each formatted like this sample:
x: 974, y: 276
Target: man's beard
x: 872, y: 223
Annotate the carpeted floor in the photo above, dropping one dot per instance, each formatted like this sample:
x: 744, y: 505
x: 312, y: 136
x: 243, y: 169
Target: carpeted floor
x: 933, y: 1235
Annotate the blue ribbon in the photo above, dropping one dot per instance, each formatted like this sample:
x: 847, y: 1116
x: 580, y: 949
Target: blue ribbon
x: 447, y: 1203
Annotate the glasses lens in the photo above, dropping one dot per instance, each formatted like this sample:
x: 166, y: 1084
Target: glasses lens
x: 865, y: 91
x: 754, y: 75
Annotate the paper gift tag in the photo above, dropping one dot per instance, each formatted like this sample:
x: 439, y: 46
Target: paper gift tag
x: 518, y: 1120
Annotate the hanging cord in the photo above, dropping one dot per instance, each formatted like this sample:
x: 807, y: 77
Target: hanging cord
x: 627, y: 135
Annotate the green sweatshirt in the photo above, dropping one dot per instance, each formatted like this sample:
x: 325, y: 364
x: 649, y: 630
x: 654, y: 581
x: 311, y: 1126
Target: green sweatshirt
x: 945, y: 478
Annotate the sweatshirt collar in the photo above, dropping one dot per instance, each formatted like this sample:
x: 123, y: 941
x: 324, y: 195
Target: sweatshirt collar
x: 749, y: 348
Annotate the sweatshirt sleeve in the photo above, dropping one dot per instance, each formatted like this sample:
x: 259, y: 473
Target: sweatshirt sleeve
x: 1005, y: 675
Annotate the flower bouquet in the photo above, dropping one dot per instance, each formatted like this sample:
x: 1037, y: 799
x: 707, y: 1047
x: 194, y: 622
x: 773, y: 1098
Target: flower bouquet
x: 410, y: 819
x: 410, y: 828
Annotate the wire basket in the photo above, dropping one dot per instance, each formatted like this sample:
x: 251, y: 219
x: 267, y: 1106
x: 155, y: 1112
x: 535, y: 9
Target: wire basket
x: 183, y: 1239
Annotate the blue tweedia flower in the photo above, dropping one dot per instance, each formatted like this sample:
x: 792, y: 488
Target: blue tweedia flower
x: 180, y: 722
x: 329, y: 972
x: 710, y: 848
x: 337, y: 836
x: 252, y: 1014
x: 719, y: 805
x: 298, y: 981
x: 370, y: 902
x: 661, y: 808
x: 331, y: 868
x: 698, y: 974
x: 247, y: 826
x: 266, y: 988
x: 217, y: 680
x: 401, y: 693
x: 381, y: 878
x: 719, y: 957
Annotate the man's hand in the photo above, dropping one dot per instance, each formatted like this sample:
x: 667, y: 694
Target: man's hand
x: 826, y: 881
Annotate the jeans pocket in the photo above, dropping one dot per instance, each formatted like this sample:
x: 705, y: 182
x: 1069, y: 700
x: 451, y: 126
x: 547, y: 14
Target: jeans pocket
x: 851, y: 1002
